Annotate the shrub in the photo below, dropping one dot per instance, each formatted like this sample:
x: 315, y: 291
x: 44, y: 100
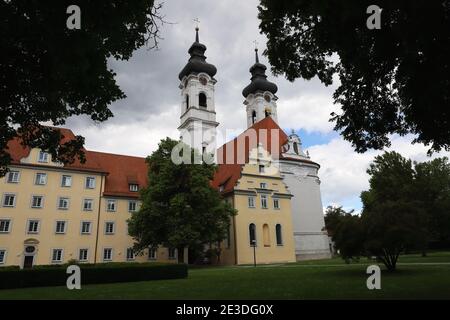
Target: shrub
x: 46, y: 276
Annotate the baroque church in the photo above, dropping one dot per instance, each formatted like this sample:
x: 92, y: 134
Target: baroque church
x: 51, y: 213
x: 297, y: 171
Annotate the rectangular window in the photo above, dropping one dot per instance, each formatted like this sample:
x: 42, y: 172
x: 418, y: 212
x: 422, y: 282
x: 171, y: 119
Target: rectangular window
x: 152, y: 253
x: 109, y: 228
x: 9, y: 200
x: 90, y: 183
x: 63, y: 203
x: 57, y: 255
x: 41, y: 178
x: 276, y: 203
x: 43, y: 156
x: 251, y: 202
x: 37, y: 202
x: 134, y: 187
x: 172, y: 253
x: 5, y: 224
x: 111, y: 205
x: 85, y: 227
x: 2, y: 256
x: 262, y: 168
x: 263, y: 201
x: 88, y: 204
x: 66, y: 181
x: 263, y: 185
x: 130, y: 254
x: 33, y: 226
x: 107, y: 254
x: 60, y: 227
x: 13, y: 176
x: 83, y: 255
x: 132, y: 206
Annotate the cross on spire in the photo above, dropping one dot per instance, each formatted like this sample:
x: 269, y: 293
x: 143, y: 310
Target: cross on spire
x: 256, y: 51
x: 196, y: 29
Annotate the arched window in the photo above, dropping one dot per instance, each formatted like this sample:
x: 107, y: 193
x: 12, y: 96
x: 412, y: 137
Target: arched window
x: 279, y: 235
x: 252, y: 234
x: 296, y: 147
x: 267, y: 112
x: 187, y: 101
x: 202, y: 100
x: 253, y: 117
x: 266, y: 235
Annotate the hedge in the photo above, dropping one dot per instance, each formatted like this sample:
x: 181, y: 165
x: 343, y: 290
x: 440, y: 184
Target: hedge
x: 47, y: 276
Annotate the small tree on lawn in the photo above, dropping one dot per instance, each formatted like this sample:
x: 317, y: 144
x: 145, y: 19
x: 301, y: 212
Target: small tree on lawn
x: 179, y: 206
x: 348, y: 237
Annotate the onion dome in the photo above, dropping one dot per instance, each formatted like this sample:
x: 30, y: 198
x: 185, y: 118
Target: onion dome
x: 259, y: 80
x: 197, y: 62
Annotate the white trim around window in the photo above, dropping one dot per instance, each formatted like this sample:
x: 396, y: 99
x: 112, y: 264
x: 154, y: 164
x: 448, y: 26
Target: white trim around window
x: 9, y: 195
x: 57, y: 255
x: 66, y: 181
x: 5, y: 225
x: 108, y: 229
x: 81, y: 227
x: 13, y: 176
x: 276, y: 203
x: 132, y: 205
x: 251, y: 202
x: 90, y: 207
x: 83, y: 256
x: 63, y: 203
x: 36, y: 226
x: 37, y: 201
x: 89, y: 182
x: 3, y: 255
x: 107, y: 256
x: 130, y: 255
x: 40, y: 179
x: 111, y: 205
x: 42, y: 157
x: 264, y: 201
x: 58, y: 225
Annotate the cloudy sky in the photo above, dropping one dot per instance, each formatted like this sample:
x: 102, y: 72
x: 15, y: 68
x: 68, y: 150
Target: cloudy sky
x: 228, y: 28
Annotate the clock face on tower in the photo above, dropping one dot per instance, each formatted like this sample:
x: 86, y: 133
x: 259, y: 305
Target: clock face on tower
x: 203, y: 81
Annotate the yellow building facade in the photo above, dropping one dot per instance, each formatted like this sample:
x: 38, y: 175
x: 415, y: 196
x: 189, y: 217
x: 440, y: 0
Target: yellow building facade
x: 51, y: 214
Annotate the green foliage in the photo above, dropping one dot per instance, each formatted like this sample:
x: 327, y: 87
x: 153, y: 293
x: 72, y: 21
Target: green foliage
x: 179, y: 206
x: 392, y: 80
x: 49, y: 73
x: 333, y: 216
x: 406, y: 207
x: 46, y: 276
x: 349, y: 237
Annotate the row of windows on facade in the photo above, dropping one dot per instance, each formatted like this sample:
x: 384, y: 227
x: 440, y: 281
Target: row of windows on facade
x: 34, y: 226
x: 66, y: 180
x: 266, y: 235
x: 63, y: 203
x: 264, y: 203
x: 57, y: 255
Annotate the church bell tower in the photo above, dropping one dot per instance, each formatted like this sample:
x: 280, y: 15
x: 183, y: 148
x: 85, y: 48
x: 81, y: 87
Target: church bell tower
x: 198, y: 116
x: 260, y: 98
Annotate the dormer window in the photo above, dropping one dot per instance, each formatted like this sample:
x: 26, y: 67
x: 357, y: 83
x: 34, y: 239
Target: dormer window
x: 134, y: 187
x: 202, y: 100
x: 43, y: 157
x: 221, y: 188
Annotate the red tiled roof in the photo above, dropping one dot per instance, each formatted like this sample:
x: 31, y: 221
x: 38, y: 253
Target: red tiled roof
x: 121, y: 170
x: 229, y: 172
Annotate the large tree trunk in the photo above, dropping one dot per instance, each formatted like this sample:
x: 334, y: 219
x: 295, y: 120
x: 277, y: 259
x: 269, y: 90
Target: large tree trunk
x: 180, y: 252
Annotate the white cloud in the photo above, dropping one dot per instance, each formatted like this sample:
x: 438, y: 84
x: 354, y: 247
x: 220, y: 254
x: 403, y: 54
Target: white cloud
x: 343, y: 171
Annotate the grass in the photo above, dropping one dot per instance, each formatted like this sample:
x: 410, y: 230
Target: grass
x: 417, y: 278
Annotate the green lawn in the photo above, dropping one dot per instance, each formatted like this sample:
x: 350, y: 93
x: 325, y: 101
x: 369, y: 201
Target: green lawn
x: 417, y: 278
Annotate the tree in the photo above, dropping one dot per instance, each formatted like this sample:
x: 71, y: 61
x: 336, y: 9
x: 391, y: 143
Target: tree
x: 179, y: 207
x: 349, y: 237
x: 432, y: 188
x: 392, y: 218
x: 393, y: 80
x: 49, y: 73
x: 333, y: 216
